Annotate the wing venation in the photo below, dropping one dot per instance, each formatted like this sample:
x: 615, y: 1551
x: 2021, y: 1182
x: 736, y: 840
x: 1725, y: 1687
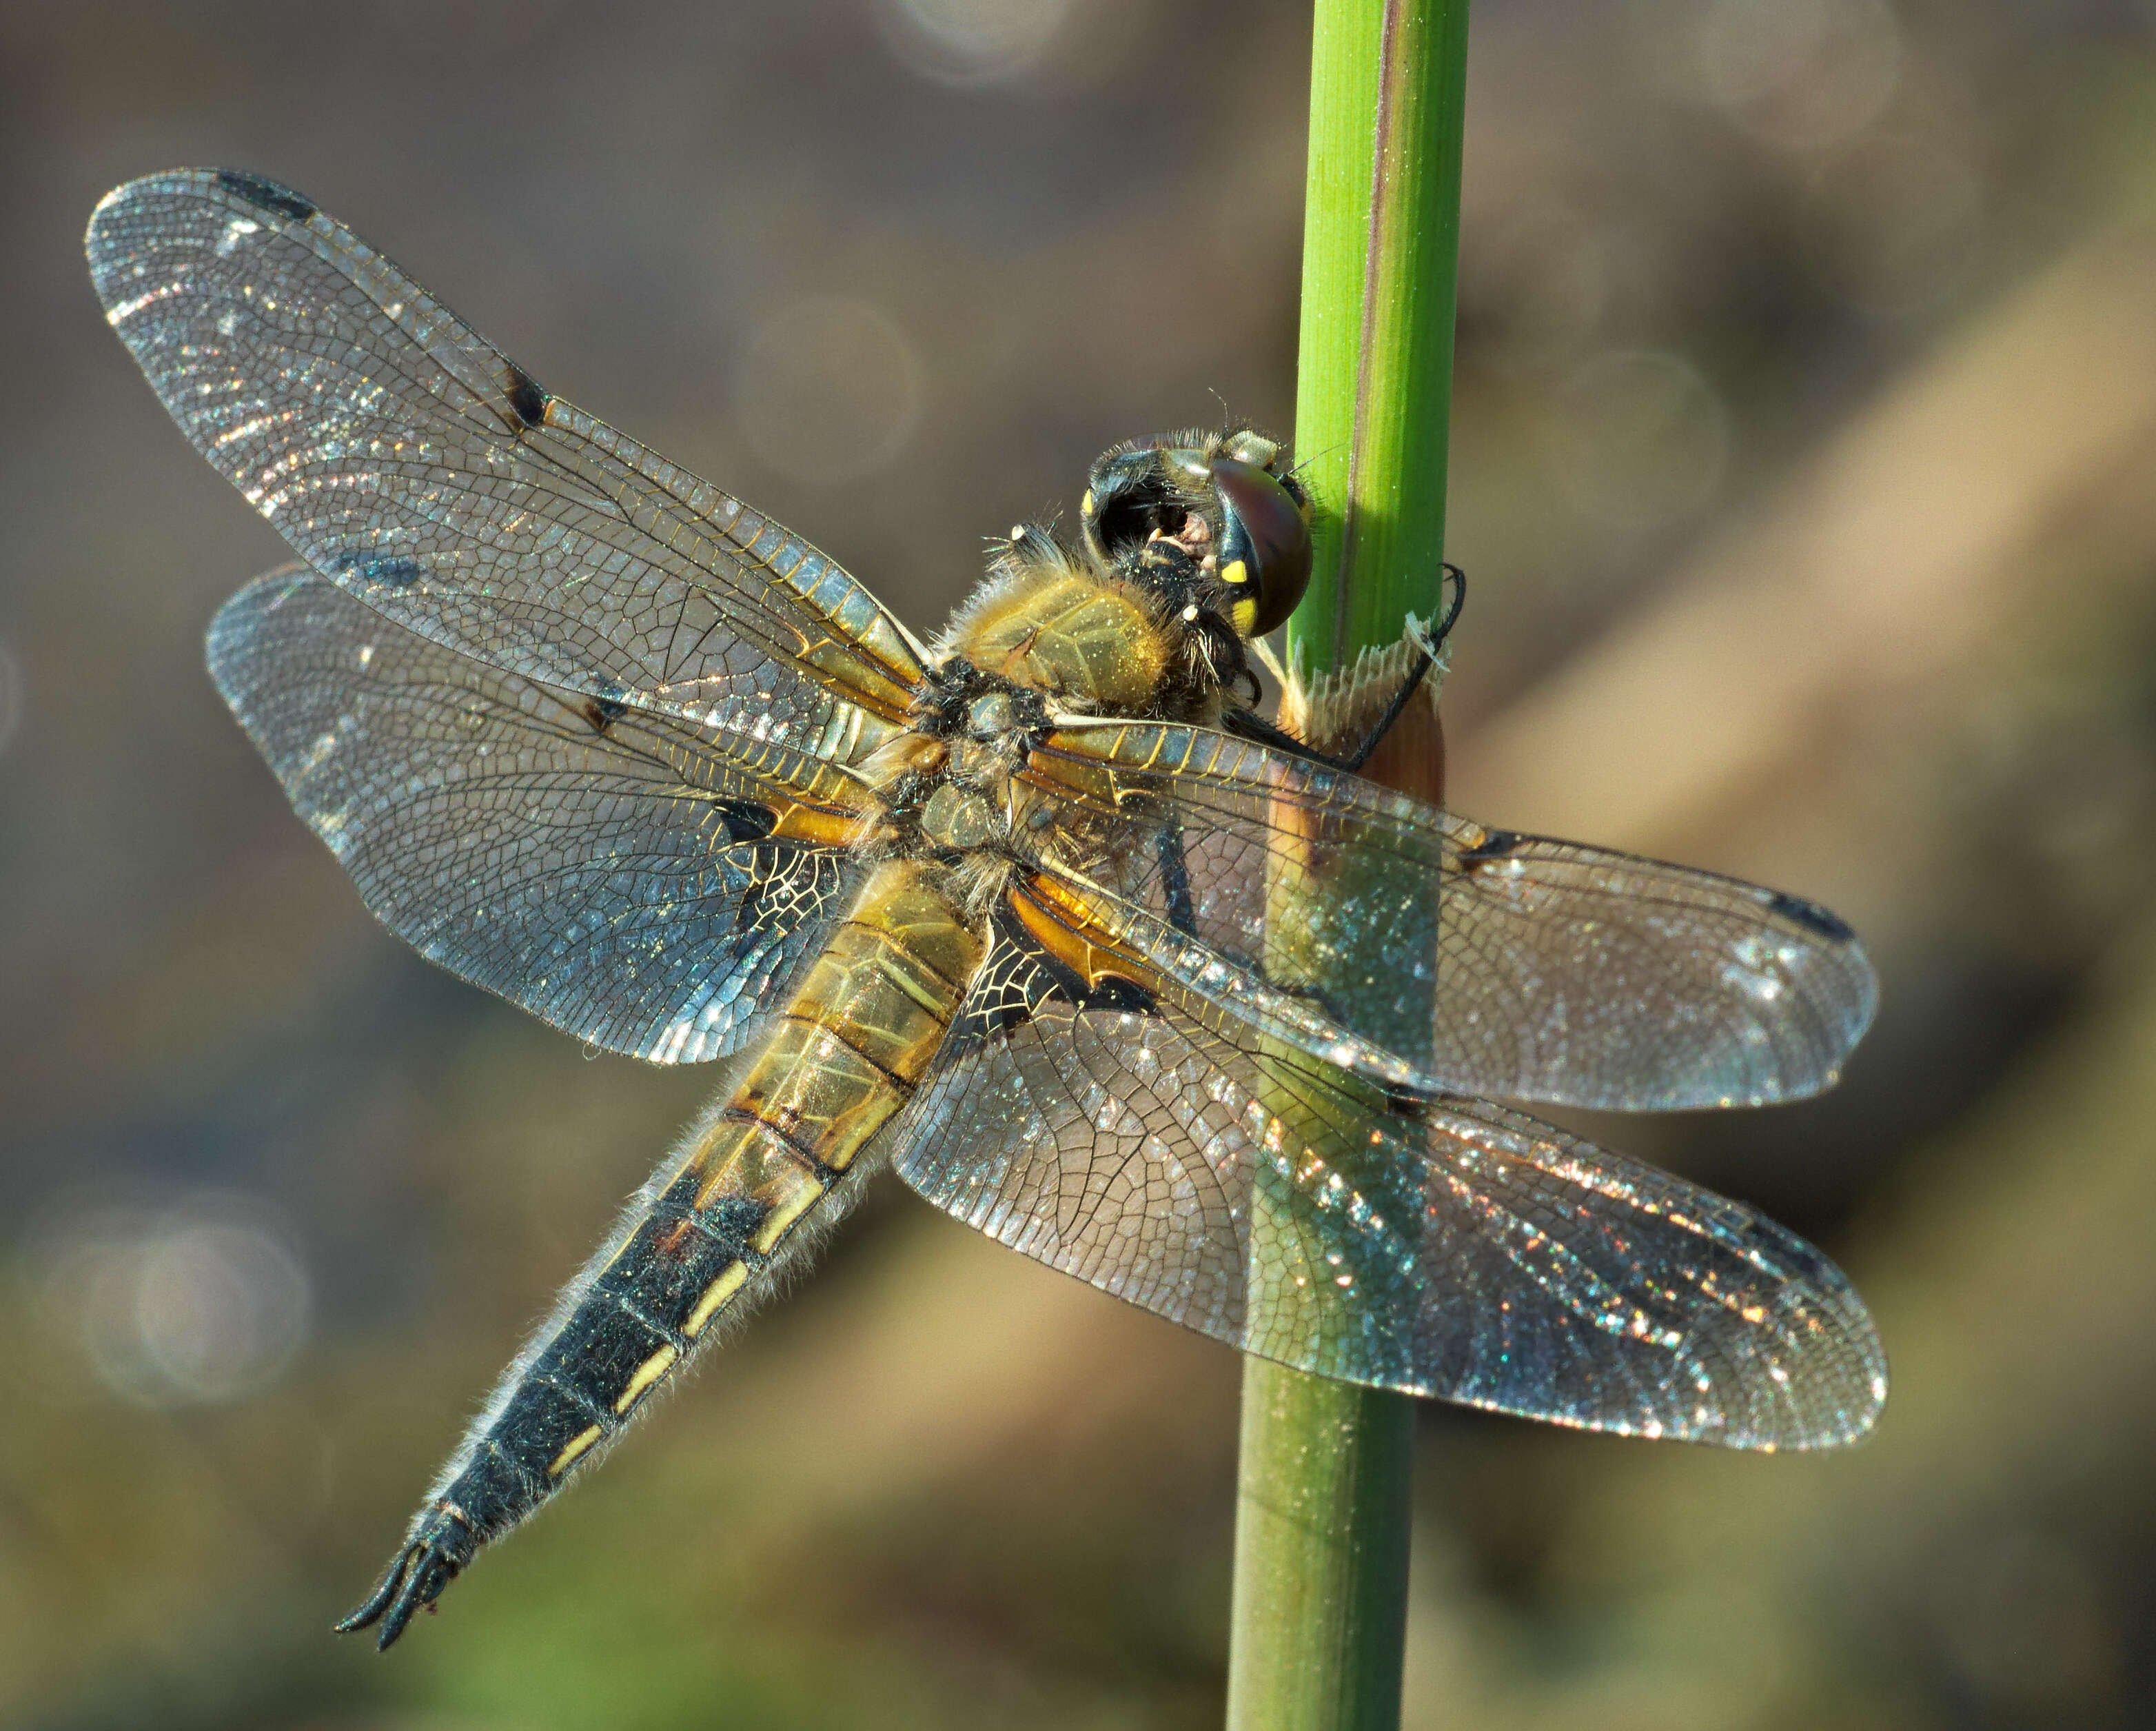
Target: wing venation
x: 604, y: 868
x: 1541, y: 970
x: 1455, y: 1249
x: 410, y: 461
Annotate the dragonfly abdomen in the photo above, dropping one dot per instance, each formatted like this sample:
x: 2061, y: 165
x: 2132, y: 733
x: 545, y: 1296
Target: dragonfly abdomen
x: 704, y: 1238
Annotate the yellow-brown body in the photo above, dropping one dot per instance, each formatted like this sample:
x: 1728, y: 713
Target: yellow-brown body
x: 598, y: 736
x: 928, y: 787
x: 837, y: 1062
x: 840, y: 1058
x: 1075, y: 638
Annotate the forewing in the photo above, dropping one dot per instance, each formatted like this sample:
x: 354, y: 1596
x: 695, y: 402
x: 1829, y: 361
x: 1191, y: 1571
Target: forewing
x: 1449, y: 1249
x: 604, y: 869
x: 414, y: 464
x: 1502, y: 964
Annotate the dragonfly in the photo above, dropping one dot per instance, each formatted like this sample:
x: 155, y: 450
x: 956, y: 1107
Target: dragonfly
x: 1042, y: 913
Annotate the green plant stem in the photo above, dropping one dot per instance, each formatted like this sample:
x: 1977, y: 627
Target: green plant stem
x: 1324, y: 1481
x: 1380, y: 276
x: 1322, y: 1502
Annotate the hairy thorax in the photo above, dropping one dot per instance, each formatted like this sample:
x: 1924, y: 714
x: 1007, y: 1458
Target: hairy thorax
x: 1045, y: 636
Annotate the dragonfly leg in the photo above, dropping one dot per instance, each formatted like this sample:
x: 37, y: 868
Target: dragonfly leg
x: 1250, y: 726
x: 1426, y: 658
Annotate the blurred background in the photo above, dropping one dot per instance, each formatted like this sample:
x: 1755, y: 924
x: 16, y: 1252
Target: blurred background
x: 1805, y: 464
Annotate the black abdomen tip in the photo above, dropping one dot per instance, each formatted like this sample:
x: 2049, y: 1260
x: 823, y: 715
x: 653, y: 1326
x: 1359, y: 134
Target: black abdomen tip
x: 417, y: 1575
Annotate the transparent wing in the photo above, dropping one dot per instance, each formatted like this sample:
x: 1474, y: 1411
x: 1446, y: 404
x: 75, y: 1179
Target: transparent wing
x: 604, y: 869
x: 1448, y: 1248
x: 1499, y: 963
x: 414, y: 464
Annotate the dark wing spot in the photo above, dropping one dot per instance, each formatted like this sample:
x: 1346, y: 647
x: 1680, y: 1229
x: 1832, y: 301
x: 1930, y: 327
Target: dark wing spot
x: 745, y: 821
x: 1175, y: 880
x: 1406, y: 1103
x: 1495, y: 845
x: 392, y: 570
x: 1810, y: 916
x: 602, y: 712
x: 265, y: 194
x: 526, y: 398
x: 1019, y: 980
x: 1113, y: 992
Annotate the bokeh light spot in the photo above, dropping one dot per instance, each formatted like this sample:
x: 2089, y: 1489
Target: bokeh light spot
x: 1640, y: 439
x: 1895, y: 226
x: 830, y: 389
x: 971, y: 41
x: 1803, y: 74
x: 195, y: 1305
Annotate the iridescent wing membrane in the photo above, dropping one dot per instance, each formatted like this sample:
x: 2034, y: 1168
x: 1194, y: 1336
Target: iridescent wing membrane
x: 584, y: 729
x: 1245, y: 1046
x: 603, y: 769
x: 1496, y: 963
x: 423, y: 471
x: 1260, y: 1194
x: 603, y: 866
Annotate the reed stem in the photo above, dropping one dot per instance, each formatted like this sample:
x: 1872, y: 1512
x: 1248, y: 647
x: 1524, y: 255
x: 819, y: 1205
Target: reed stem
x: 1324, y: 1481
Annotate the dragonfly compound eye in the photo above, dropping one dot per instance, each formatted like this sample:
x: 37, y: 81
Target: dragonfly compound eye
x: 1265, y: 545
x: 1132, y: 492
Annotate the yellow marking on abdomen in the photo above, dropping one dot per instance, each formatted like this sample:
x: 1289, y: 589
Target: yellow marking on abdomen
x: 715, y: 1296
x: 783, y: 1214
x: 572, y: 1451
x: 819, y: 1092
x: 757, y: 1161
x: 843, y: 1060
x: 936, y: 1003
x: 881, y: 992
x: 648, y: 1372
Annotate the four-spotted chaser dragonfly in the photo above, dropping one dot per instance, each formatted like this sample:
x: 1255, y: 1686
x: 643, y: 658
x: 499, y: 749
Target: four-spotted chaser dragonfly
x: 1040, y: 914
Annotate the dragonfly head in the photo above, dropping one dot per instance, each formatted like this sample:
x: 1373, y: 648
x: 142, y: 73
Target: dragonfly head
x: 1226, y: 500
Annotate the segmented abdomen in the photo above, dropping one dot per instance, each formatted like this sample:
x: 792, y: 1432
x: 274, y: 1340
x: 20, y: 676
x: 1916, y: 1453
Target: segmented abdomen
x: 713, y: 1223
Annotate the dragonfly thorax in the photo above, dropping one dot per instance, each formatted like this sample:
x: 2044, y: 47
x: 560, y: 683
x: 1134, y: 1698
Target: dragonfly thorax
x: 1097, y: 957
x: 957, y: 818
x: 946, y: 785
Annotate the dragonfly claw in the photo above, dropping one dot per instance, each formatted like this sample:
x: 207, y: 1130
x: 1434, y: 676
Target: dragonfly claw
x: 417, y: 1576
